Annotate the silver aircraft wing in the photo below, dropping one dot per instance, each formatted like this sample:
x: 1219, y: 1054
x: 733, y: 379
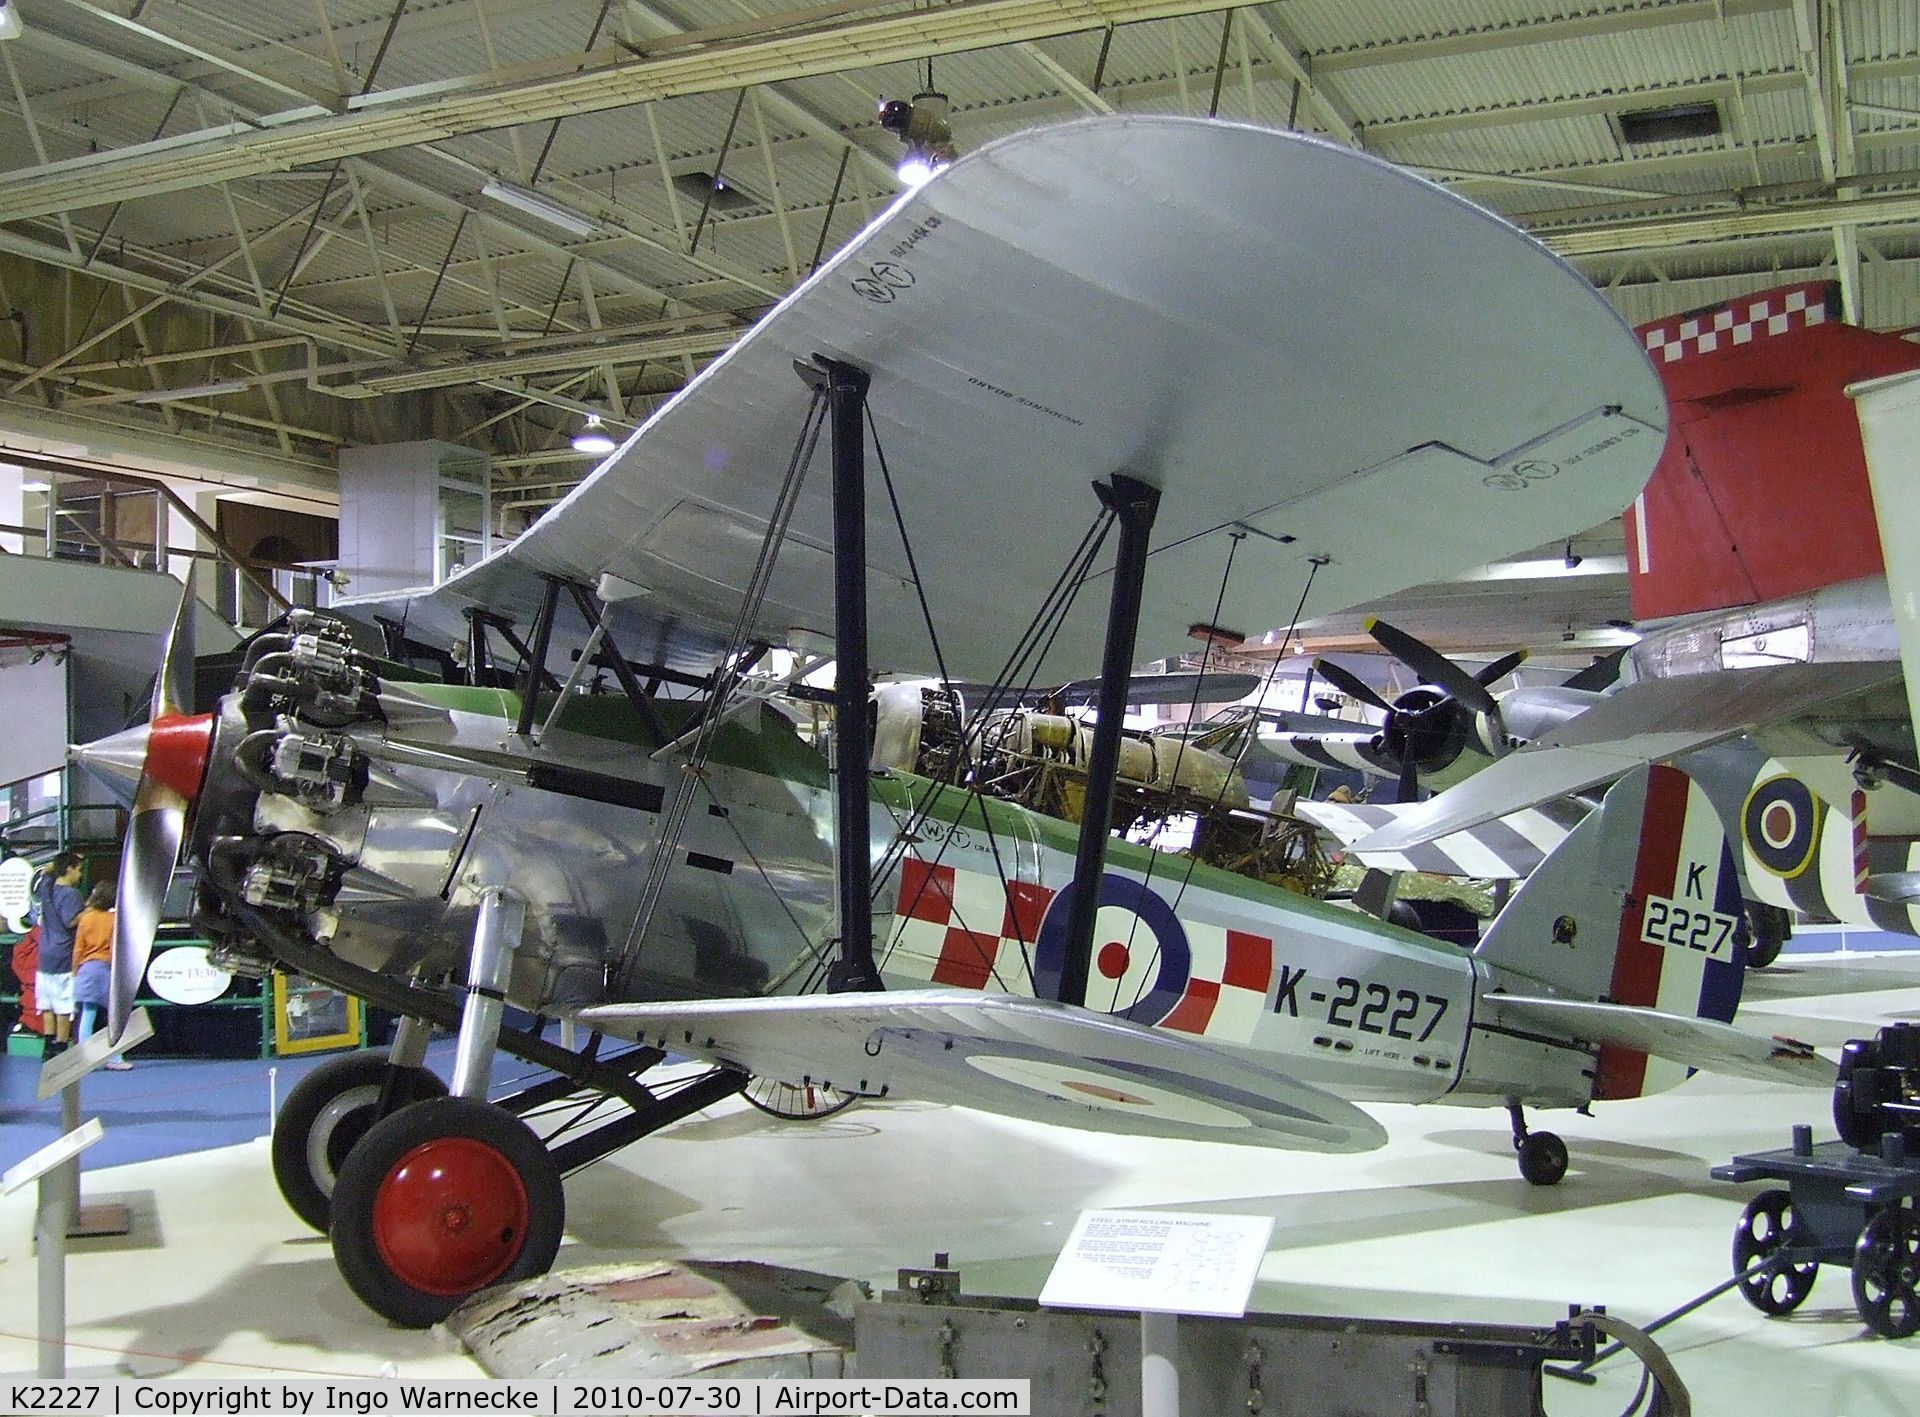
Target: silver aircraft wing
x: 1028, y: 1058
x: 1697, y: 1042
x: 1226, y: 312
x: 1651, y: 721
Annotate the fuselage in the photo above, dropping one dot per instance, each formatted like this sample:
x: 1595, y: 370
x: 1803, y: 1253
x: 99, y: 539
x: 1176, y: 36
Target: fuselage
x: 969, y: 893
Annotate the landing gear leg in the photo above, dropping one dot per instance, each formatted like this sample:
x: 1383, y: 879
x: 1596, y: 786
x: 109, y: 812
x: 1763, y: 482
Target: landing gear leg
x: 496, y: 936
x: 1543, y: 1156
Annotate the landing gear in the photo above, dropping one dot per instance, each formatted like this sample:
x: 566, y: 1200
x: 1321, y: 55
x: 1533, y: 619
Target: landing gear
x: 1543, y: 1156
x: 1768, y: 1226
x: 327, y: 1114
x: 1768, y: 928
x: 807, y: 1102
x: 441, y: 1200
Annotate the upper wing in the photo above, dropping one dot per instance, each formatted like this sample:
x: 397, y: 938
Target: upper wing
x: 1648, y: 722
x: 1298, y: 343
x: 1021, y: 1057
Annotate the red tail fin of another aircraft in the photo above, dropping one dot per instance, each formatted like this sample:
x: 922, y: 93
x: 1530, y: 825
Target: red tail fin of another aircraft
x: 1761, y: 492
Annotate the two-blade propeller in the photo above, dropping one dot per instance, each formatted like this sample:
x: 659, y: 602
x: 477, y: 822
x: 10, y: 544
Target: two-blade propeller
x: 1426, y: 727
x: 164, y: 761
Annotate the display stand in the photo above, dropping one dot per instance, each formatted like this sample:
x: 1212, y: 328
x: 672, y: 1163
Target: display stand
x: 56, y: 1169
x: 62, y: 1074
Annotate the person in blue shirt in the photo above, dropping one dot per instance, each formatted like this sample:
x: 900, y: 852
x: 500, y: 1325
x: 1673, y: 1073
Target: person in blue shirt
x: 57, y: 901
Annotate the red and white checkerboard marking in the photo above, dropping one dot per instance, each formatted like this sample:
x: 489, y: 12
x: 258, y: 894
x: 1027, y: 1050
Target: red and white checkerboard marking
x: 1738, y: 322
x: 963, y: 929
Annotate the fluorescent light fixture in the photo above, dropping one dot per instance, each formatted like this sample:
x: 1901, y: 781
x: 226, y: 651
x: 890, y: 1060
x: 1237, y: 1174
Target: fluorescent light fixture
x: 539, y: 207
x: 36, y: 486
x: 194, y: 391
x: 9, y: 20
x: 593, y: 437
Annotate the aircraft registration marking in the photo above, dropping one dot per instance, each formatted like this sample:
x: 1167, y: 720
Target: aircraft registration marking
x: 1364, y: 1006
x: 1677, y: 925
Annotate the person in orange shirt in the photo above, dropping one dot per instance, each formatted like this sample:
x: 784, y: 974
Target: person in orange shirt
x: 93, y: 965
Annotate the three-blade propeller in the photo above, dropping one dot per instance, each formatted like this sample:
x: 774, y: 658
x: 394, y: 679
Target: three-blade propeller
x: 165, y: 761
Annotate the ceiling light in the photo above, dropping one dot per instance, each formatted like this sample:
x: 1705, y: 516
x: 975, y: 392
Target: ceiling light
x: 36, y: 486
x: 1573, y: 557
x: 9, y: 20
x: 537, y: 206
x: 593, y: 437
x: 922, y: 125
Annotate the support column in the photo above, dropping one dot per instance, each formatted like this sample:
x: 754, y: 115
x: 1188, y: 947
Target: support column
x: 854, y: 968
x: 1133, y: 503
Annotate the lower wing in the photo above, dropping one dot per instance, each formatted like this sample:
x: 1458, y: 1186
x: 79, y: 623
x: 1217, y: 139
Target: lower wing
x: 1030, y: 1058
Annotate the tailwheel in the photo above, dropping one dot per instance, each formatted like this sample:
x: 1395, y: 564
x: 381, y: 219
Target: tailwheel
x: 1543, y: 1158
x: 797, y: 1102
x: 441, y: 1200
x: 324, y: 1118
x: 1886, y: 1273
x: 1766, y: 1227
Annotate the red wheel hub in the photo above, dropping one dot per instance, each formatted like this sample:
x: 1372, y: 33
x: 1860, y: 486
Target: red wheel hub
x: 451, y: 1216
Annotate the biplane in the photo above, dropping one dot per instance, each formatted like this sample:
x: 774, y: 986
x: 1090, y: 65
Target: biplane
x: 1121, y: 381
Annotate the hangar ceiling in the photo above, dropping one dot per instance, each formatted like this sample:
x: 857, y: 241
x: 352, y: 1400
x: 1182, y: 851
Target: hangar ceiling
x: 264, y: 228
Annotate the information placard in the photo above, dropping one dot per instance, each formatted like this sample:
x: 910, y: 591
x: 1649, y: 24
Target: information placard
x: 1163, y: 1262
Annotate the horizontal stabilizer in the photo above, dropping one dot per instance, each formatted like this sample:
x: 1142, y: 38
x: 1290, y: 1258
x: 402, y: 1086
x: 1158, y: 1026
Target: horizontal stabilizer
x: 1647, y: 722
x: 1697, y: 1042
x: 1030, y: 1058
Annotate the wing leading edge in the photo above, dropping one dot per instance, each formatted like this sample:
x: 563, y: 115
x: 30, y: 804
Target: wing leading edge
x: 1027, y: 1058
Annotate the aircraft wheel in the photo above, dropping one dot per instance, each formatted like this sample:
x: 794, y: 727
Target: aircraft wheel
x: 1543, y: 1158
x: 1768, y: 1226
x: 1768, y: 927
x: 441, y: 1200
x: 1886, y: 1273
x: 323, y: 1119
x: 807, y: 1102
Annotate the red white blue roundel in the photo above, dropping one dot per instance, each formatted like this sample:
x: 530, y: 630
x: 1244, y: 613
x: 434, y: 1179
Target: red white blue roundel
x: 1141, y: 960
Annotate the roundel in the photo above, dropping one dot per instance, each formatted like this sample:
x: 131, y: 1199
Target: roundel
x: 1781, y: 825
x: 1141, y: 961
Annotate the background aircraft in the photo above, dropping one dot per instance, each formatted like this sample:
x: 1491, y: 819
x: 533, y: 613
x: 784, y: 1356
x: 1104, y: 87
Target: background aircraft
x: 675, y: 863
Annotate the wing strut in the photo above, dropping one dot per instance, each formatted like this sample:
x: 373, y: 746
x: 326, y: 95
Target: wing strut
x: 853, y: 969
x: 1133, y: 503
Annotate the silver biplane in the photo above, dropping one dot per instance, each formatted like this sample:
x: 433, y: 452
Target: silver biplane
x: 1287, y: 377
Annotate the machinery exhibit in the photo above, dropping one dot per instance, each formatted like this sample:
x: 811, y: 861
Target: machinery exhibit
x: 660, y: 659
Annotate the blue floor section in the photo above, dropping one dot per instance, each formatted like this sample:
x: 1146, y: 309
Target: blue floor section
x: 163, y: 1106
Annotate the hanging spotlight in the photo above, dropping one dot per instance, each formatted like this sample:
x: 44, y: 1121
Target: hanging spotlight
x: 922, y: 125
x: 593, y: 437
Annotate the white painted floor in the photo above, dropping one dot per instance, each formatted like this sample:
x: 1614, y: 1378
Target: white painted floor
x: 220, y: 1280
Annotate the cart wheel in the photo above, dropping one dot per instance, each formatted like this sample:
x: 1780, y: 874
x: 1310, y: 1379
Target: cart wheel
x: 806, y: 1102
x: 1886, y: 1270
x: 1767, y: 1226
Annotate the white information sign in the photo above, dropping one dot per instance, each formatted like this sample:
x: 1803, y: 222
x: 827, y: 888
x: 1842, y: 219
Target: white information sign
x: 1164, y: 1262
x: 16, y: 892
x: 185, y: 975
x: 61, y: 1148
x: 83, y: 1058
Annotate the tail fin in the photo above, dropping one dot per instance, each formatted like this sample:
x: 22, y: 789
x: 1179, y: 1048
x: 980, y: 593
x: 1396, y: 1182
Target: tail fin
x: 1639, y: 907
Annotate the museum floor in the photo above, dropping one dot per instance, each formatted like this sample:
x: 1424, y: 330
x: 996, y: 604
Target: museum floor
x: 219, y: 1279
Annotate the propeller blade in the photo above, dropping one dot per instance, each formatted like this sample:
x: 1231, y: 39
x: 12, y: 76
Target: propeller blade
x: 173, y: 687
x: 147, y: 860
x: 1432, y: 666
x: 1409, y: 786
x: 1600, y: 674
x: 1501, y: 668
x: 1350, y: 684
